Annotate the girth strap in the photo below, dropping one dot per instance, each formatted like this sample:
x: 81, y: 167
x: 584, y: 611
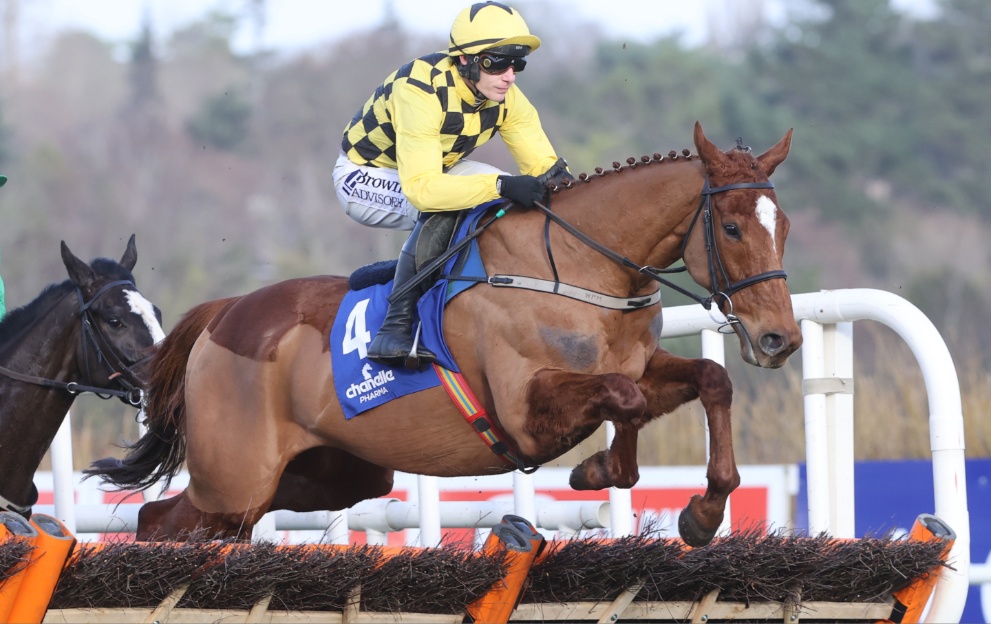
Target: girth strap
x: 480, y: 421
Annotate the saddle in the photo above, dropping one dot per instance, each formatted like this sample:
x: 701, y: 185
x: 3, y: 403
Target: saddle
x: 437, y: 236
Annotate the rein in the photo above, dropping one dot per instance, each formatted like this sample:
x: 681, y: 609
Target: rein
x: 716, y: 268
x: 92, y: 337
x: 425, y: 272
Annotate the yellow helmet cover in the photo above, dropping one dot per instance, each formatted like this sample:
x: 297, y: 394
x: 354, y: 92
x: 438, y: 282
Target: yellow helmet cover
x: 487, y: 25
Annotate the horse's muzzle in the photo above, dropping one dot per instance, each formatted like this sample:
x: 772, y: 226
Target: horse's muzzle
x: 772, y: 347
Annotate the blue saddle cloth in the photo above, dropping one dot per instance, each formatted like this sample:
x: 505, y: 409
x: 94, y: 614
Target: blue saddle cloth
x: 362, y: 384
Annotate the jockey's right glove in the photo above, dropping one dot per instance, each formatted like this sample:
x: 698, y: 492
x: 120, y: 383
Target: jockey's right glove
x: 522, y: 189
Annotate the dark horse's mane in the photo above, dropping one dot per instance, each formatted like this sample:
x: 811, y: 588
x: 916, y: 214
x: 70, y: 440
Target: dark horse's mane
x: 19, y: 319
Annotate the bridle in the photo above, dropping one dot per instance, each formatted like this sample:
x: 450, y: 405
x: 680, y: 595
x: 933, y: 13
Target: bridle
x: 717, y: 272
x: 719, y: 283
x: 92, y: 337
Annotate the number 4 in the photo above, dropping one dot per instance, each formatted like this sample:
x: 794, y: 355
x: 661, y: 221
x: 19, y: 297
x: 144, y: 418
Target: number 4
x: 356, y: 336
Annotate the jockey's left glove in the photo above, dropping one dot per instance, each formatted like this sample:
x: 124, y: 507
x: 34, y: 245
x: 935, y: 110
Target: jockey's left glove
x: 557, y: 174
x: 522, y: 189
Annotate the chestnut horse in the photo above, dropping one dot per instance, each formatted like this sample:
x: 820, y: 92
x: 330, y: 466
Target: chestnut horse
x: 243, y: 388
x: 93, y: 333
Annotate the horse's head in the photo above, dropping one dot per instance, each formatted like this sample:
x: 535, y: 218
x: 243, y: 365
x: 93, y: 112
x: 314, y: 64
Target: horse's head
x: 736, y: 248
x: 120, y: 326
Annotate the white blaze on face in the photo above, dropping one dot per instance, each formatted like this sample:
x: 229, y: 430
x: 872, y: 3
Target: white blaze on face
x: 767, y: 214
x: 143, y: 308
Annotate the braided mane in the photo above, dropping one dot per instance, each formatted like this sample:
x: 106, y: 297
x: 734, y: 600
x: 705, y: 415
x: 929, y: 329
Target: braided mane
x: 631, y: 163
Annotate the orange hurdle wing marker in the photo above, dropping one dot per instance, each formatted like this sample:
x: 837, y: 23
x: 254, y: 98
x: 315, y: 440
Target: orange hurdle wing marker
x: 14, y: 526
x: 54, y: 544
x: 910, y: 602
x: 522, y: 544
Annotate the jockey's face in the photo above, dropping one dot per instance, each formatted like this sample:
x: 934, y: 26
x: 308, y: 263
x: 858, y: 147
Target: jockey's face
x: 494, y: 86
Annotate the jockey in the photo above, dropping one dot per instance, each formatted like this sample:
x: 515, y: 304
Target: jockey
x: 3, y: 308
x: 403, y: 158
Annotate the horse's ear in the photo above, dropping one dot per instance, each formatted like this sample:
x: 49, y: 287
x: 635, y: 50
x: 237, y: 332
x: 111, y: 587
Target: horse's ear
x: 708, y: 152
x: 130, y: 257
x: 80, y: 273
x: 773, y: 157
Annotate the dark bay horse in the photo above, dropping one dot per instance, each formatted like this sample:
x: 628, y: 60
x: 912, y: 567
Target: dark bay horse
x: 243, y: 391
x: 91, y: 333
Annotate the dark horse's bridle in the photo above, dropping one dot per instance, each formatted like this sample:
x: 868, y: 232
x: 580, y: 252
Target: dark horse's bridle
x: 123, y: 374
x: 92, y: 337
x: 720, y: 285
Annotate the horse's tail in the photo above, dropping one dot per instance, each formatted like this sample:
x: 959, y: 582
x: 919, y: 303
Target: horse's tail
x: 160, y: 452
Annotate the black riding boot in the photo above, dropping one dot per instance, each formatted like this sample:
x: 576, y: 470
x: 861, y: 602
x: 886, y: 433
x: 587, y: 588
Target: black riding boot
x: 393, y: 343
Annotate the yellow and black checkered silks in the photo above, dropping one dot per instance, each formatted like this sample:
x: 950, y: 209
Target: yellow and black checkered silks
x: 423, y: 119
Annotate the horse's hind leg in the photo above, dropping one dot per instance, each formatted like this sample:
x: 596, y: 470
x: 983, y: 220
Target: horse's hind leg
x: 328, y: 478
x: 670, y: 381
x: 177, y: 519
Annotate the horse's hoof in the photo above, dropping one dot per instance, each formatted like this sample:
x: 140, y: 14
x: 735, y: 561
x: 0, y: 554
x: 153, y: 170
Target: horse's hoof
x: 691, y: 531
x: 591, y: 474
x: 577, y: 480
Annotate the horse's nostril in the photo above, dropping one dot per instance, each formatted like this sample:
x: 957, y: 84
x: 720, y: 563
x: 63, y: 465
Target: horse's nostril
x: 772, y: 343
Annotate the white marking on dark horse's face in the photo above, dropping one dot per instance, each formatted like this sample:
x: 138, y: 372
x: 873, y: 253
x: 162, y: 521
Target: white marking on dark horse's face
x: 143, y: 308
x: 767, y: 214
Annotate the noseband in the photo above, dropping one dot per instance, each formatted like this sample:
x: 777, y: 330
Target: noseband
x: 93, y: 337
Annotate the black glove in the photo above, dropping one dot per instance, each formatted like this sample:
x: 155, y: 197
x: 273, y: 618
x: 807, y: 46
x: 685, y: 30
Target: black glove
x: 522, y: 189
x: 557, y: 174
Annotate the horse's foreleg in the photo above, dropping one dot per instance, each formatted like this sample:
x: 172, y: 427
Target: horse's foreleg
x: 565, y: 408
x: 670, y: 381
x: 614, y: 467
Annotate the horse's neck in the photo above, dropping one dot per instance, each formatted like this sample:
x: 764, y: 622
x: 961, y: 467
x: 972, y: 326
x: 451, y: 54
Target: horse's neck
x: 30, y: 414
x: 45, y: 346
x: 642, y: 213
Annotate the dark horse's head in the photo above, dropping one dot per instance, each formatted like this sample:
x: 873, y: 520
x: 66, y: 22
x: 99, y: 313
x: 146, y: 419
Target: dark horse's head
x: 120, y: 327
x: 91, y: 333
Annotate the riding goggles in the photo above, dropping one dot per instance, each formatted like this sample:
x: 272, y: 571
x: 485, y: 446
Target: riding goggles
x: 498, y: 64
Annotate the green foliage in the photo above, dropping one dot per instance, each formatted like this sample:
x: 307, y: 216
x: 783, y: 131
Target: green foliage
x: 645, y: 99
x: 212, y: 34
x: 222, y: 121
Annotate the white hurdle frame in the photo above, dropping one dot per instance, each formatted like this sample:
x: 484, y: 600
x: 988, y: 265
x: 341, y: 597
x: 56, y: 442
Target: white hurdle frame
x: 826, y: 319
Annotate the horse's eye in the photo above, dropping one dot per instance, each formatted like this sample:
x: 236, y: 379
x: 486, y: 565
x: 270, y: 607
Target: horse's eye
x: 732, y: 230
x: 114, y: 322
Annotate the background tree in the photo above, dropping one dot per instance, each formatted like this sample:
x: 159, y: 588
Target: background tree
x: 221, y: 162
